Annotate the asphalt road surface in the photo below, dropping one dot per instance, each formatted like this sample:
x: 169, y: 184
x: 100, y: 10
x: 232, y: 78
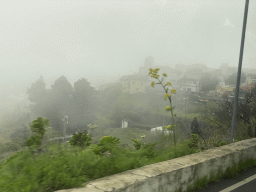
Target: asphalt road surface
x: 244, y: 182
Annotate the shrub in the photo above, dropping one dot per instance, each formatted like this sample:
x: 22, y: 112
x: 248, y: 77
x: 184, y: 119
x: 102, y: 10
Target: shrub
x: 223, y: 143
x: 194, y: 141
x: 81, y: 139
x: 138, y: 143
x: 107, y: 143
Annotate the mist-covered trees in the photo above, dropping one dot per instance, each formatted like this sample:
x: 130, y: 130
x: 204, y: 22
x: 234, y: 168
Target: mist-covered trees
x: 246, y: 115
x: 84, y: 104
x: 208, y: 82
x: 78, y: 102
x: 231, y: 80
x: 37, y: 94
x: 59, y: 98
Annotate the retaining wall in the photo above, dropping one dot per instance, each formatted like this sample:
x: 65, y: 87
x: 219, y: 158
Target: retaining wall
x: 176, y: 174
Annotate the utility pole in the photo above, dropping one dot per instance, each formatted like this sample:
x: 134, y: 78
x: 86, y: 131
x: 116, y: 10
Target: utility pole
x: 65, y: 119
x: 239, y: 72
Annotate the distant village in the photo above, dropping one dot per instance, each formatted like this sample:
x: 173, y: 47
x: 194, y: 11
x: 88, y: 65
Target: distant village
x: 185, y: 79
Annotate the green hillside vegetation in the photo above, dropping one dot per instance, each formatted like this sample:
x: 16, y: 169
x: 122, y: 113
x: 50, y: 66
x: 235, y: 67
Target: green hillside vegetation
x: 105, y: 150
x: 63, y: 166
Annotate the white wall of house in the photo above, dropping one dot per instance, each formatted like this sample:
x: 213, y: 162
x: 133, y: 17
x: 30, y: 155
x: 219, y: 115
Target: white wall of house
x: 159, y: 130
x: 194, y: 87
x: 124, y: 124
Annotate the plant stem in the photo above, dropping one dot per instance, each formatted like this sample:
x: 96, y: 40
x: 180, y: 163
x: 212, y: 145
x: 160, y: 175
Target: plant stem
x: 174, y: 138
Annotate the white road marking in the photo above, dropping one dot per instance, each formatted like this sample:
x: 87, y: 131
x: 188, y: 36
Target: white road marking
x: 233, y: 187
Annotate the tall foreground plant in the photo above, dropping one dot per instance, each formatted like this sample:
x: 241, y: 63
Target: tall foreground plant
x: 153, y: 73
x: 38, y: 128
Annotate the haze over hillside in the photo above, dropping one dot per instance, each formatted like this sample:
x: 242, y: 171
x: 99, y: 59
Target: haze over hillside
x: 104, y: 40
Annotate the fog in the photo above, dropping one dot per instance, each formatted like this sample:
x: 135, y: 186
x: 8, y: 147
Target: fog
x: 102, y: 41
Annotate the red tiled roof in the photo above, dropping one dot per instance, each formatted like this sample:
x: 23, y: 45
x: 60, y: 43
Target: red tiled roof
x: 247, y: 87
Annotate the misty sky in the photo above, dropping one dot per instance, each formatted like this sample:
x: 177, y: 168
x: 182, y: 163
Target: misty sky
x: 104, y: 40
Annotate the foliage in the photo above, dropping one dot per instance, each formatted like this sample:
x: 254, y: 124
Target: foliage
x: 231, y: 80
x: 194, y: 141
x: 148, y: 150
x: 64, y: 166
x: 223, y: 143
x: 39, y: 125
x: 34, y: 140
x: 138, y: 143
x: 208, y: 82
x: 80, y: 105
x: 81, y: 139
x: 107, y: 143
x: 37, y: 91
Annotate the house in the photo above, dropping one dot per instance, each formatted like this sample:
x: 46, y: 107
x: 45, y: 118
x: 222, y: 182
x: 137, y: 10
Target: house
x: 134, y: 84
x: 159, y: 130
x: 109, y: 86
x: 191, y: 85
x: 246, y: 89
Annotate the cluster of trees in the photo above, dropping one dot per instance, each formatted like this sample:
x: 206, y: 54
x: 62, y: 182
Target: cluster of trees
x: 231, y: 80
x: 84, y: 105
x: 220, y: 115
x: 78, y: 102
x: 208, y: 81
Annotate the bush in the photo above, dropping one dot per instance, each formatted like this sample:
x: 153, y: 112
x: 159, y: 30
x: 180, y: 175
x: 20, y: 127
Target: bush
x: 223, y: 143
x: 34, y: 140
x: 137, y: 143
x: 107, y: 143
x: 81, y: 139
x: 194, y: 141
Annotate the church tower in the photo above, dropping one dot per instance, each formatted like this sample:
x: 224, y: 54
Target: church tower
x: 149, y: 61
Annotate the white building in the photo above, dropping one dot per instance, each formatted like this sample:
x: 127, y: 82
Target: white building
x: 124, y: 123
x: 159, y: 130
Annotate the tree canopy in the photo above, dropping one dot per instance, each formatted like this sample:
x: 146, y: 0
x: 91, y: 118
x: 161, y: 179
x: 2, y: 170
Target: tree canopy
x: 208, y: 82
x: 231, y: 80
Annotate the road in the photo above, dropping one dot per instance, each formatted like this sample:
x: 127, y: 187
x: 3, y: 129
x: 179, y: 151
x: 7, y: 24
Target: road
x: 245, y: 182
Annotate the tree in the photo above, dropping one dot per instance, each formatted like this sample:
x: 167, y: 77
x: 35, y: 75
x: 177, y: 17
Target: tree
x: 108, y: 98
x: 208, y: 83
x: 85, y: 103
x: 246, y: 115
x: 195, y: 127
x: 38, y: 128
x: 59, y: 102
x: 231, y: 80
x: 38, y: 95
x: 81, y: 139
x: 37, y: 91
